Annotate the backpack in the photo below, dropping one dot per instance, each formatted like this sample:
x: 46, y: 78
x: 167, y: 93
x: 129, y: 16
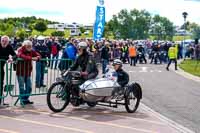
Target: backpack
x: 54, y: 49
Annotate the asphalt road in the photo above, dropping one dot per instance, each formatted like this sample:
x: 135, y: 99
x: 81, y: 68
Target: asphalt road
x: 169, y: 93
x: 165, y: 92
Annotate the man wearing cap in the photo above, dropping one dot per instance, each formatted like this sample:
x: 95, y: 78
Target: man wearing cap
x: 85, y: 63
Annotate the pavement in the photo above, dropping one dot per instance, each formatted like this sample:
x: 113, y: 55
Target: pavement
x: 168, y: 106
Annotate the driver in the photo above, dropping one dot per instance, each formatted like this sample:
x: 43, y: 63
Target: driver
x: 122, y: 76
x: 85, y: 63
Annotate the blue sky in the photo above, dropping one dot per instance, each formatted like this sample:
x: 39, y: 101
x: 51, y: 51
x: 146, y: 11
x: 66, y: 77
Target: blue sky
x: 83, y: 11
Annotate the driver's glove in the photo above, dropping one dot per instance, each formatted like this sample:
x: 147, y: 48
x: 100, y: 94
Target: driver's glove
x: 84, y: 73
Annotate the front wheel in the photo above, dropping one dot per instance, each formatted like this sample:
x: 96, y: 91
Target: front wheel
x: 131, y: 101
x: 58, y: 97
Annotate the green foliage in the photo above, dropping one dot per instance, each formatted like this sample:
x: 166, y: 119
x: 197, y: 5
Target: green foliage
x: 194, y: 29
x: 162, y: 28
x: 139, y: 25
x: 191, y: 66
x: 134, y: 24
x: 58, y: 33
x: 196, y: 32
x: 40, y: 26
x: 7, y: 29
x: 180, y: 38
x: 82, y: 29
x: 21, y: 33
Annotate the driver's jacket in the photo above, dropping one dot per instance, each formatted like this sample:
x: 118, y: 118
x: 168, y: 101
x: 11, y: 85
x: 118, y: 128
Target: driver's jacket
x: 122, y: 77
x: 86, y: 63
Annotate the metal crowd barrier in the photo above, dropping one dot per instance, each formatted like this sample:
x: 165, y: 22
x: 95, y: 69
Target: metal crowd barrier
x: 3, y: 79
x: 21, y: 70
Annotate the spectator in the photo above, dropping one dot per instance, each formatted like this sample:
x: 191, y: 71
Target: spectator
x: 24, y: 70
x: 141, y: 50
x: 132, y: 55
x: 124, y: 57
x: 197, y: 51
x: 48, y: 42
x: 172, y: 53
x: 5, y: 51
x: 116, y: 52
x: 97, y: 52
x: 55, y: 48
x: 43, y: 50
x: 69, y: 53
x: 105, y: 57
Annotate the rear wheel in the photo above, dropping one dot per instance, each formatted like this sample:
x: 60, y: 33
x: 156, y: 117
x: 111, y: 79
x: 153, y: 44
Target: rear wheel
x: 58, y: 97
x: 131, y: 101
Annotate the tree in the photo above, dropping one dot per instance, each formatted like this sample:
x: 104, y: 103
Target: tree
x: 194, y: 29
x: 134, y: 24
x: 40, y: 26
x: 10, y: 30
x: 21, y: 33
x: 58, y: 33
x: 162, y: 28
x: 82, y: 29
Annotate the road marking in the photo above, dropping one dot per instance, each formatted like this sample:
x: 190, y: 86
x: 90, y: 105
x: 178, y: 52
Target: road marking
x: 45, y: 124
x: 132, y: 71
x: 7, y: 131
x: 171, y: 123
x: 187, y: 75
x: 96, y: 122
x: 137, y: 119
x: 144, y: 69
x: 104, y: 113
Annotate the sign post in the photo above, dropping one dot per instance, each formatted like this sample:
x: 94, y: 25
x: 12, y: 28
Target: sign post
x: 100, y: 21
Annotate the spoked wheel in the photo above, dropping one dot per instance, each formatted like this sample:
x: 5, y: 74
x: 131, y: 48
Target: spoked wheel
x: 131, y: 101
x: 92, y: 104
x: 58, y: 97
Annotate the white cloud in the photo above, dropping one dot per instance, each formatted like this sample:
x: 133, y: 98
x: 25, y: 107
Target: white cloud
x: 83, y: 11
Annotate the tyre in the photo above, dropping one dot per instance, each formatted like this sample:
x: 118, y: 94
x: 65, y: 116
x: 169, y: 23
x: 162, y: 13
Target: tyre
x: 91, y: 104
x: 131, y: 101
x: 58, y: 97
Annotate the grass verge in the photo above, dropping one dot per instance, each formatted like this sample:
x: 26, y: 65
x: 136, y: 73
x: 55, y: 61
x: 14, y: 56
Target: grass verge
x: 191, y: 66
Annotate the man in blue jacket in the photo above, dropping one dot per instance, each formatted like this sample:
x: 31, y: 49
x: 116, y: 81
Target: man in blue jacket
x: 69, y: 53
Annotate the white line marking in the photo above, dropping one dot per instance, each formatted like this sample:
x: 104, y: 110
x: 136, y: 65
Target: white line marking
x: 171, y: 123
x: 7, y: 131
x: 144, y: 69
x: 94, y: 122
x: 132, y: 71
x: 45, y: 124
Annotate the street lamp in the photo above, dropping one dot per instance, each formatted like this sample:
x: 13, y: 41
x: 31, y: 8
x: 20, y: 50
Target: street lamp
x: 185, y: 14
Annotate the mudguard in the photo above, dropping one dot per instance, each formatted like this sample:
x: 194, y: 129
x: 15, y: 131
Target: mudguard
x: 137, y: 90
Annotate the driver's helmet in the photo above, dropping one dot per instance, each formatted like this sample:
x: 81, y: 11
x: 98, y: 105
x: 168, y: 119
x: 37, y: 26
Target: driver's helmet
x: 117, y: 62
x: 82, y: 45
x: 40, y: 40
